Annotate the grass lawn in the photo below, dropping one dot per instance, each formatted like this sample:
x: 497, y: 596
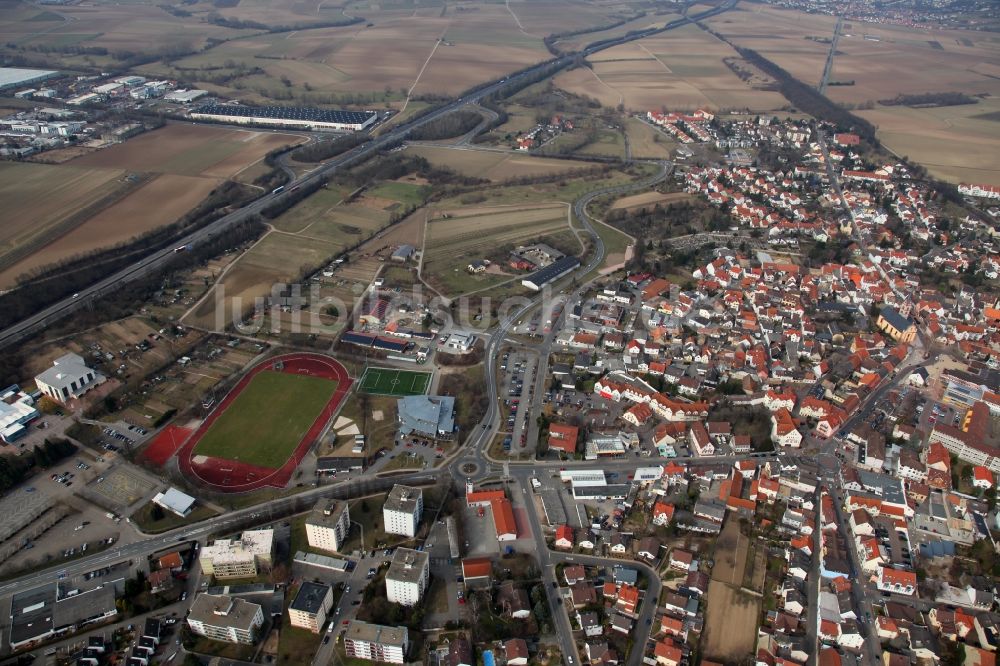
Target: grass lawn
x: 405, y: 193
x: 386, y: 381
x: 268, y: 419
x: 296, y: 647
x: 143, y: 519
x: 222, y: 649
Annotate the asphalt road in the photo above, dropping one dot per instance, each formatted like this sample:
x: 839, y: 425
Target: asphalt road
x: 160, y: 259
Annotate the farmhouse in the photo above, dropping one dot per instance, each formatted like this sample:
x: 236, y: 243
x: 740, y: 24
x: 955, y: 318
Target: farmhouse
x: 68, y: 378
x: 290, y: 116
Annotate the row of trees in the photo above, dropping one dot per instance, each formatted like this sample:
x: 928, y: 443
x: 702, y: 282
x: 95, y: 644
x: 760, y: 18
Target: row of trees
x: 321, y: 151
x: 448, y: 126
x: 15, y: 469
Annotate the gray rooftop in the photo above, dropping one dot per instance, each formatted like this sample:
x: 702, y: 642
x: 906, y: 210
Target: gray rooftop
x: 310, y: 597
x: 403, y: 498
x: 376, y: 633
x: 65, y: 370
x: 327, y: 513
x: 223, y: 611
x: 407, y: 565
x: 427, y: 414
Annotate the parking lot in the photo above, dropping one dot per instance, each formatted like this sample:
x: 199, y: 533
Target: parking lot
x: 518, y: 371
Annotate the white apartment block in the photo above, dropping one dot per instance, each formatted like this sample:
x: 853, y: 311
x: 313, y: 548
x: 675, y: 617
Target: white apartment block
x: 224, y: 618
x: 402, y: 510
x: 328, y: 525
x: 238, y: 558
x: 311, y: 606
x: 376, y: 642
x: 407, y: 577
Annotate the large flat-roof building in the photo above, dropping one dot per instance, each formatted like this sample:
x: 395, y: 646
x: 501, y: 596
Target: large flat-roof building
x: 224, y: 618
x: 407, y: 578
x: 537, y: 280
x: 11, y: 77
x: 328, y: 525
x: 68, y: 378
x: 431, y: 416
x: 402, y: 510
x: 238, y: 558
x: 311, y: 606
x: 288, y: 116
x: 17, y: 410
x: 376, y: 642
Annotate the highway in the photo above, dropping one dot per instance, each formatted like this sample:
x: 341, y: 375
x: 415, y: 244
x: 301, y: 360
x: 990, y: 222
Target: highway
x: 160, y: 259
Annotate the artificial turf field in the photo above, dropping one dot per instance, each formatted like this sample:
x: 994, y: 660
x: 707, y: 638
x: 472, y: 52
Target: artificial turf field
x: 268, y: 419
x: 388, y: 381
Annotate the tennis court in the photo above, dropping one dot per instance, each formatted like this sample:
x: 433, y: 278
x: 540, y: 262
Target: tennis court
x: 389, y: 381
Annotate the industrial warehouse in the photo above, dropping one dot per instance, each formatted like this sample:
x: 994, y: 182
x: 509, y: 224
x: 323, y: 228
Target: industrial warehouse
x: 287, y: 116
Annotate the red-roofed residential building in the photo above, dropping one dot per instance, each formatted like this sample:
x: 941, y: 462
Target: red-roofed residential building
x: 783, y: 430
x: 982, y: 477
x: 564, y: 537
x: 563, y: 437
x: 897, y: 581
x: 663, y: 513
x: 667, y: 654
x: 628, y: 600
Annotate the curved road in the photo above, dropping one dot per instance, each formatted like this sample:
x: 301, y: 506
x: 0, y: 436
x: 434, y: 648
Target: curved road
x: 158, y: 260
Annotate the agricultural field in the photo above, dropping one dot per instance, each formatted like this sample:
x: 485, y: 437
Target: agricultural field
x: 41, y: 199
x: 486, y: 232
x: 190, y: 150
x: 578, y: 42
x: 648, y: 142
x: 493, y: 165
x: 112, y: 195
x: 278, y: 407
x: 731, y: 618
x: 649, y: 200
x: 955, y: 143
x: 680, y: 69
x: 276, y: 258
x: 136, y: 27
x: 174, y: 196
x: 433, y: 50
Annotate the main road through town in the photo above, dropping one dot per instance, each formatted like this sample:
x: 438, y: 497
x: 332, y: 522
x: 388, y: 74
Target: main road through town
x: 14, y: 331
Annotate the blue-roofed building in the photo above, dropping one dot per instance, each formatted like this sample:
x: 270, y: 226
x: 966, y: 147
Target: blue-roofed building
x: 360, y: 339
x: 430, y: 416
x: 488, y: 659
x: 935, y: 549
x: 550, y: 273
x: 292, y: 116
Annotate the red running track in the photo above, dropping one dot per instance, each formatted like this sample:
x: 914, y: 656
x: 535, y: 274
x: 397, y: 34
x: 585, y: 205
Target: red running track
x: 231, y: 476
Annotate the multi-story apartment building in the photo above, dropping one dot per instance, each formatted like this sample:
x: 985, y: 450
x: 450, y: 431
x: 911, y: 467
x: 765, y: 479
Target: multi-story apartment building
x: 407, y: 577
x: 328, y: 525
x: 402, y: 510
x: 238, y: 558
x: 311, y: 606
x: 376, y: 642
x: 224, y: 618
